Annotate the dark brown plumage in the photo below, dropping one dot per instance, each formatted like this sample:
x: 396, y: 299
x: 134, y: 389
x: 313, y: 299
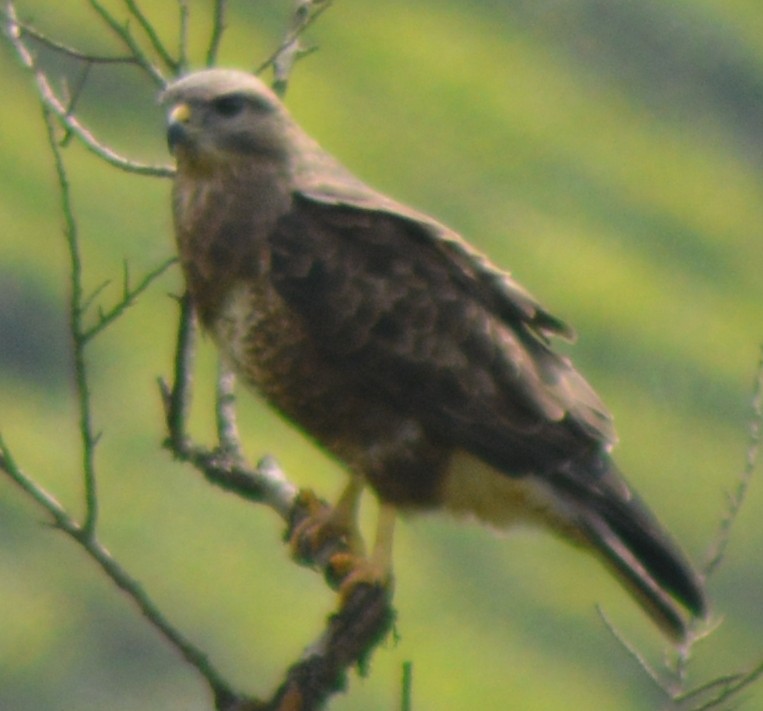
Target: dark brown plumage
x: 402, y: 351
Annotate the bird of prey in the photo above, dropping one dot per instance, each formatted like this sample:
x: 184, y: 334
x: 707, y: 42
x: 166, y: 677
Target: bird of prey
x: 425, y: 370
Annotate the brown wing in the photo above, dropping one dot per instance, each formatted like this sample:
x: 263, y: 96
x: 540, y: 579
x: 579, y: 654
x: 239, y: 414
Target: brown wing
x: 422, y: 323
x: 445, y: 338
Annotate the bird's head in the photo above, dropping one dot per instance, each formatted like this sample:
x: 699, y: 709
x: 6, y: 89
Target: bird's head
x: 217, y: 114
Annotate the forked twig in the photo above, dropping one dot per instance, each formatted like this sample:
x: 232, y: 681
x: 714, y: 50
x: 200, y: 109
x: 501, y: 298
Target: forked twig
x: 129, y: 296
x: 291, y: 49
x: 122, y: 31
x: 57, y: 46
x: 363, y: 619
x: 85, y: 533
x: 717, y: 550
x: 153, y: 37
x: 726, y: 686
x: 71, y: 235
x: 60, y: 109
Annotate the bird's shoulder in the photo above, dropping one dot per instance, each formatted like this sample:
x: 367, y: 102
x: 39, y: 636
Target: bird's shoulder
x: 414, y: 307
x: 338, y: 203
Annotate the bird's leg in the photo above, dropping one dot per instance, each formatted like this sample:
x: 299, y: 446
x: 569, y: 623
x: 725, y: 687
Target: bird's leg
x: 323, y: 523
x: 376, y: 569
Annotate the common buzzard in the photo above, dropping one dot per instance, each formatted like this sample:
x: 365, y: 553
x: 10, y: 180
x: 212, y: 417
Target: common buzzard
x: 428, y: 372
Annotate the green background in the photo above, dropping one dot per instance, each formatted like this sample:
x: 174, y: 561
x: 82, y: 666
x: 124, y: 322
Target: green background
x: 607, y: 152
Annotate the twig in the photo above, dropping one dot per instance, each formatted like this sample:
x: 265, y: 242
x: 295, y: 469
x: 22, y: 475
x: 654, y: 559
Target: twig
x: 365, y: 616
x: 170, y: 62
x: 134, y: 590
x: 70, y: 122
x: 218, y: 28
x: 266, y: 483
x: 129, y: 295
x: 406, y: 687
x: 646, y: 667
x: 74, y: 96
x: 177, y: 398
x: 736, y: 683
x: 87, y: 302
x: 89, y: 439
x: 727, y: 686
x: 290, y: 50
x: 723, y: 681
x: 39, y: 495
x: 735, y: 501
x: 124, y: 34
x: 362, y: 622
x: 85, y: 534
x: 183, y: 22
x: 61, y: 48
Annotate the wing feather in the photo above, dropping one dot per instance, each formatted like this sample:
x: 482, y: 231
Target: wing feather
x: 420, y: 318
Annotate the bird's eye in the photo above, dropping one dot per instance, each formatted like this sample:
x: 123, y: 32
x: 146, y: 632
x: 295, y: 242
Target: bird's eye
x: 230, y: 105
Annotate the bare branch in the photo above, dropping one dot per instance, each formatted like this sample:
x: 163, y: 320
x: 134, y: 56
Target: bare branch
x: 183, y: 21
x: 218, y: 28
x: 406, y: 685
x: 129, y: 295
x: 28, y: 30
x: 58, y: 107
x: 37, y: 493
x: 192, y: 654
x: 362, y: 622
x: 177, y: 398
x: 364, y: 617
x: 291, y: 49
x: 124, y: 34
x: 87, y: 303
x: 646, y: 667
x: 722, y: 681
x: 717, y: 550
x: 73, y: 98
x: 85, y: 534
x: 169, y: 61
x: 730, y: 687
x: 89, y: 440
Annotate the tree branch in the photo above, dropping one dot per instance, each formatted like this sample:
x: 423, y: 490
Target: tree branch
x: 62, y: 112
x: 725, y: 686
x: 183, y: 23
x: 717, y: 550
x: 291, y: 49
x: 85, y: 534
x: 218, y: 28
x: 28, y: 30
x: 124, y: 34
x: 88, y: 438
x: 362, y: 620
x: 117, y: 574
x: 129, y: 296
x: 156, y: 43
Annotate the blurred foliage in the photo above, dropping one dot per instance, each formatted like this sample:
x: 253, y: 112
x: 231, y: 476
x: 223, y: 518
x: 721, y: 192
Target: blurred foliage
x: 607, y: 151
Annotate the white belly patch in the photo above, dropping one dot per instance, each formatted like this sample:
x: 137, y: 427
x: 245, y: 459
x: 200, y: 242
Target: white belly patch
x: 474, y: 488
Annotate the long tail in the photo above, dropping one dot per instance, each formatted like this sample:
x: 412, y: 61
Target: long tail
x: 632, y: 542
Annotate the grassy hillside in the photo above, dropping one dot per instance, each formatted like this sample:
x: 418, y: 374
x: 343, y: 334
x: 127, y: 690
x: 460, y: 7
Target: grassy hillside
x: 608, y: 153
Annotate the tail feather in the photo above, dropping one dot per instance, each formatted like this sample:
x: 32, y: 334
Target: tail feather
x: 645, y: 588
x: 633, y: 544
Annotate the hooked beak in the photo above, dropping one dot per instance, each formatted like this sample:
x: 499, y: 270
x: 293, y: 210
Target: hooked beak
x: 177, y: 126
